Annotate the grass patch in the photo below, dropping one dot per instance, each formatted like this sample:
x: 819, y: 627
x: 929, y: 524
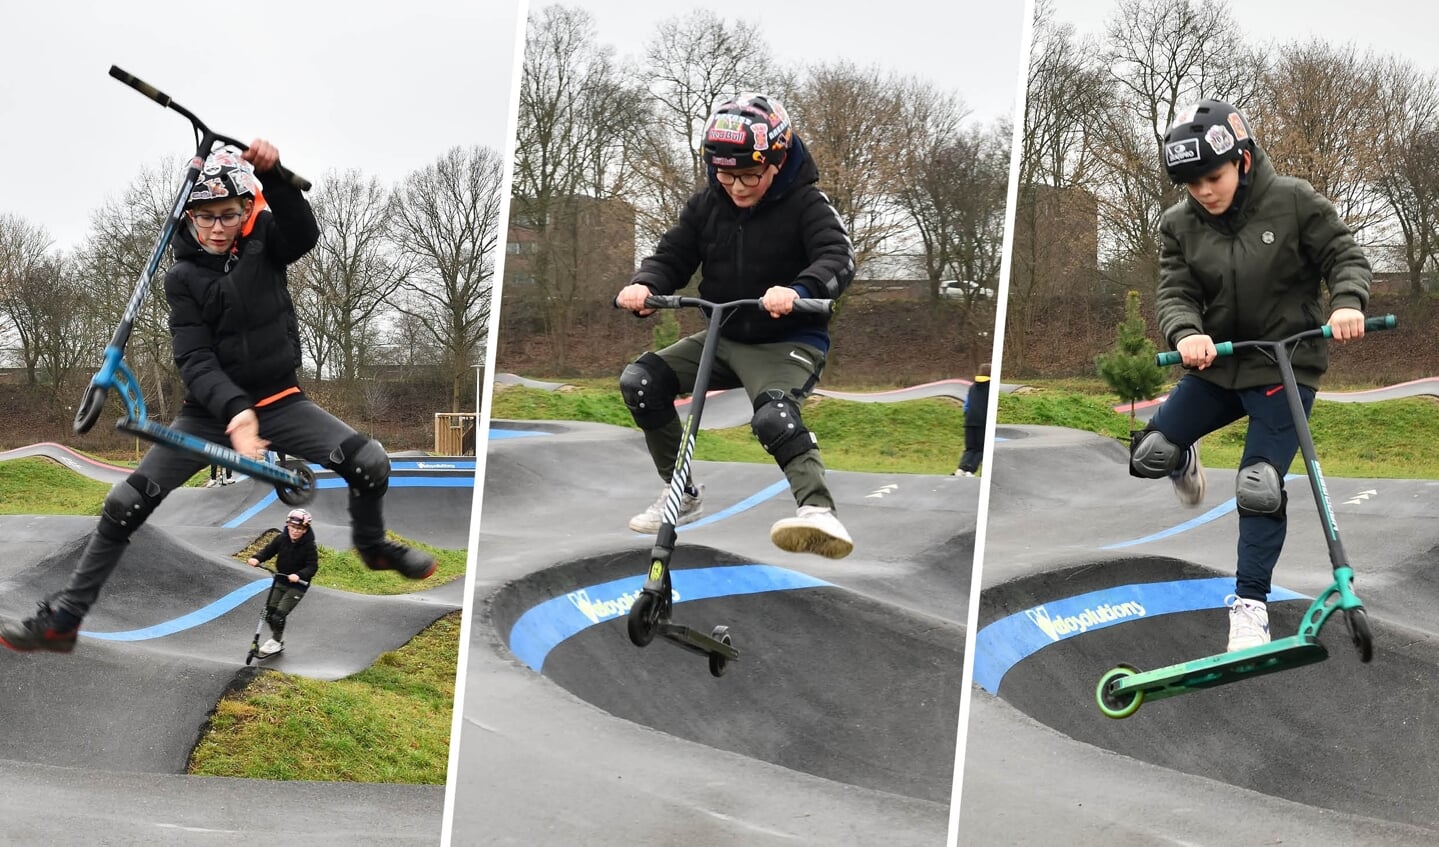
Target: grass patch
x: 915, y: 436
x: 39, y: 486
x: 342, y: 569
x: 1389, y: 440
x: 388, y: 723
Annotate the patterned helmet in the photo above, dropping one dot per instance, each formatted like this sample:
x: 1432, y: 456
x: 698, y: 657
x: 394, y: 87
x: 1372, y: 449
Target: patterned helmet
x: 750, y: 130
x: 224, y: 176
x: 1204, y: 136
x: 298, y: 517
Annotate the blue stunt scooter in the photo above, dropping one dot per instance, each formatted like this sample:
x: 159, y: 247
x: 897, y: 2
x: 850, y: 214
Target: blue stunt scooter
x: 650, y: 613
x: 293, y: 480
x: 1124, y: 688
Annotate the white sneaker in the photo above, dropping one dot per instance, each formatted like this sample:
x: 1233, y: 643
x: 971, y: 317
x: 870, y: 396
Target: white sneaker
x: 963, y: 473
x: 271, y: 647
x: 212, y: 483
x: 650, y: 519
x: 1248, y: 623
x: 1189, y: 479
x: 814, y: 529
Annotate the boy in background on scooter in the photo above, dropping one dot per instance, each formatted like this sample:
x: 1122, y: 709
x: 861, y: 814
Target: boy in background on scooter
x: 297, y: 559
x: 761, y: 229
x: 236, y: 341
x: 1242, y: 258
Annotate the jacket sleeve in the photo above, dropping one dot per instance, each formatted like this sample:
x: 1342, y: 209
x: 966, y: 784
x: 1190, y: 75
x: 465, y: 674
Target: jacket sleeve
x: 1329, y: 243
x: 271, y: 547
x: 291, y: 230
x: 678, y: 255
x: 828, y: 248
x: 1179, y: 304
x: 194, y: 351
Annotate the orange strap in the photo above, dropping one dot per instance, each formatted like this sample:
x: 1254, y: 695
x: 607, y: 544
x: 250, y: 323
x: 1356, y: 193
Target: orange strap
x: 275, y: 398
x: 258, y: 206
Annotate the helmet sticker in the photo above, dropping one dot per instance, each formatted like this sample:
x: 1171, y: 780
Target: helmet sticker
x: 211, y: 189
x: 1236, y: 123
x: 761, y: 135
x: 1220, y: 140
x: 1186, y: 115
x: 723, y: 161
x: 1180, y: 152
x: 727, y: 128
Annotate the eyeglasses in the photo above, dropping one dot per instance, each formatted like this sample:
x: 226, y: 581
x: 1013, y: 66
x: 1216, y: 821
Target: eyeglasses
x: 205, y: 220
x: 748, y: 180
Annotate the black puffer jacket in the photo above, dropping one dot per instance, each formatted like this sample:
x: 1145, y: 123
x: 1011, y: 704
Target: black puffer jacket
x: 301, y: 558
x: 232, y: 323
x: 793, y: 237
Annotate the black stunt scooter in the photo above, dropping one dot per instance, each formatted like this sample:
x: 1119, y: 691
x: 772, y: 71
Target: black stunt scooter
x: 260, y: 625
x: 650, y: 613
x: 1124, y: 688
x: 293, y: 480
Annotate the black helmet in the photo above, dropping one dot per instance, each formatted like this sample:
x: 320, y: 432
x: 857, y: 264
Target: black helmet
x: 1203, y: 137
x: 750, y: 130
x: 225, y: 175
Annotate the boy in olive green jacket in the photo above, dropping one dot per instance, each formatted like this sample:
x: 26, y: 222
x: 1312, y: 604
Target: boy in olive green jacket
x: 1242, y: 258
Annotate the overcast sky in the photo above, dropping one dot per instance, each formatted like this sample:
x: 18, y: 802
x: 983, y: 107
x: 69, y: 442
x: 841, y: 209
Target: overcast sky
x: 967, y: 47
x: 1400, y: 27
x: 384, y: 87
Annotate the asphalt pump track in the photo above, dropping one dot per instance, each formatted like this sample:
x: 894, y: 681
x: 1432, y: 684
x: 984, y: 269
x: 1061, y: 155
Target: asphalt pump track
x: 96, y: 743
x: 1086, y: 567
x: 835, y: 726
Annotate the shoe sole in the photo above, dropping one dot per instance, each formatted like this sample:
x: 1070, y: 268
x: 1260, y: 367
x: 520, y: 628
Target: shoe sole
x: 803, y: 538
x: 651, y: 529
x: 48, y: 648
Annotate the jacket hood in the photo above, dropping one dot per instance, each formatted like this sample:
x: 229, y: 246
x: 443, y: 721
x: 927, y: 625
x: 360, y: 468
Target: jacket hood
x: 1252, y: 185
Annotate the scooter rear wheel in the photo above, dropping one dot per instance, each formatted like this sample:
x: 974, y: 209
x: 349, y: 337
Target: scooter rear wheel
x: 1359, y: 632
x: 718, y: 663
x: 1117, y: 706
x: 297, y: 496
x: 644, y: 619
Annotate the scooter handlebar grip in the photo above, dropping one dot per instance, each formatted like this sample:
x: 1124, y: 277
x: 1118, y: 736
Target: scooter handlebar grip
x: 1380, y: 322
x: 814, y: 305
x: 1224, y: 348
x: 140, y: 85
x: 290, y: 176
x: 663, y: 301
x: 1167, y: 358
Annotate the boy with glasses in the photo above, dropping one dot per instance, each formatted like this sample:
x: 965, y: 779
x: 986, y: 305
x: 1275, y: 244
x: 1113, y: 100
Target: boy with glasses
x: 297, y: 560
x: 236, y: 341
x: 763, y: 230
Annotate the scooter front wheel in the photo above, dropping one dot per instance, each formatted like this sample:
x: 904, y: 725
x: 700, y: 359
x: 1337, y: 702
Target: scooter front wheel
x: 90, y: 408
x: 291, y: 496
x: 1359, y: 632
x: 644, y: 619
x: 1113, y: 705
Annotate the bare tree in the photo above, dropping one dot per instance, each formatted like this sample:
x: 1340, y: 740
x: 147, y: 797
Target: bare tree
x: 353, y: 269
x: 445, y: 220
x: 23, y: 273
x: 1407, y: 142
x: 65, y: 327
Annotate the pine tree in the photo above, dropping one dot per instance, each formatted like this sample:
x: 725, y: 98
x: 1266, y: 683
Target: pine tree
x: 1129, y: 368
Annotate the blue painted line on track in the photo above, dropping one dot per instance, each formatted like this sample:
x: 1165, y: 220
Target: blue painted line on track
x: 747, y: 503
x: 502, y: 434
x: 1213, y: 514
x: 1006, y: 642
x: 203, y: 615
x: 457, y: 481
x: 544, y: 626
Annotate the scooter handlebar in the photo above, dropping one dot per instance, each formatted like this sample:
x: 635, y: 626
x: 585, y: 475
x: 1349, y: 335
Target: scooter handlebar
x: 809, y: 305
x: 1226, y: 348
x: 141, y: 86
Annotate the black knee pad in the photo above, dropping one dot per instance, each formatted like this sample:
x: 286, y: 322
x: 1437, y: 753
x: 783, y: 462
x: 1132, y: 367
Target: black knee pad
x: 275, y: 617
x: 363, y: 463
x: 127, y: 506
x: 1152, y: 455
x: 777, y: 425
x: 649, y: 388
x: 1259, y: 491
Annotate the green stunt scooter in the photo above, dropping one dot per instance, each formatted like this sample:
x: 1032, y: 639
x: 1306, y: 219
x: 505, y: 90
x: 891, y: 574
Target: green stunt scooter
x: 1124, y: 688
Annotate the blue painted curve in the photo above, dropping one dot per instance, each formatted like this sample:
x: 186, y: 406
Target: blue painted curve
x: 454, y: 481
x: 1213, y: 514
x: 543, y: 627
x: 202, y: 615
x: 1006, y: 642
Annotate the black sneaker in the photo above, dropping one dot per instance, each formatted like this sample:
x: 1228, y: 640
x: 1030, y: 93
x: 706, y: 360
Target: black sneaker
x: 48, y: 629
x: 393, y: 556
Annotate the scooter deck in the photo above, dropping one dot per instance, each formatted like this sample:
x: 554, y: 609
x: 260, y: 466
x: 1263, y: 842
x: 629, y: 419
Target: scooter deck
x: 217, y: 453
x: 697, y: 641
x: 1223, y: 668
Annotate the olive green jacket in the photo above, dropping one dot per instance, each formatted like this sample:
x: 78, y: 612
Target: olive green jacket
x: 1255, y: 274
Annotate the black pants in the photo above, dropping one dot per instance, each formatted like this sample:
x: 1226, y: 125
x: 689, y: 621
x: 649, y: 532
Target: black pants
x: 283, y: 599
x: 298, y: 428
x: 1198, y: 407
x: 973, y: 448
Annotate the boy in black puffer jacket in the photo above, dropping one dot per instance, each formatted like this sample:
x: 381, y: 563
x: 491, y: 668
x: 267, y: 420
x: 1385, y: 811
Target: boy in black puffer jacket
x: 237, y: 343
x: 762, y: 229
x: 297, y: 560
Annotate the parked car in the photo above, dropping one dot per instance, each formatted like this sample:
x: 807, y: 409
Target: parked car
x: 964, y: 289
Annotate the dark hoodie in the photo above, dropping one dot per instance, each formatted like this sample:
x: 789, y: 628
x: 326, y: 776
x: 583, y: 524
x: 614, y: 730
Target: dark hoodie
x: 301, y: 558
x: 792, y: 237
x: 232, y: 323
x: 1253, y: 273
